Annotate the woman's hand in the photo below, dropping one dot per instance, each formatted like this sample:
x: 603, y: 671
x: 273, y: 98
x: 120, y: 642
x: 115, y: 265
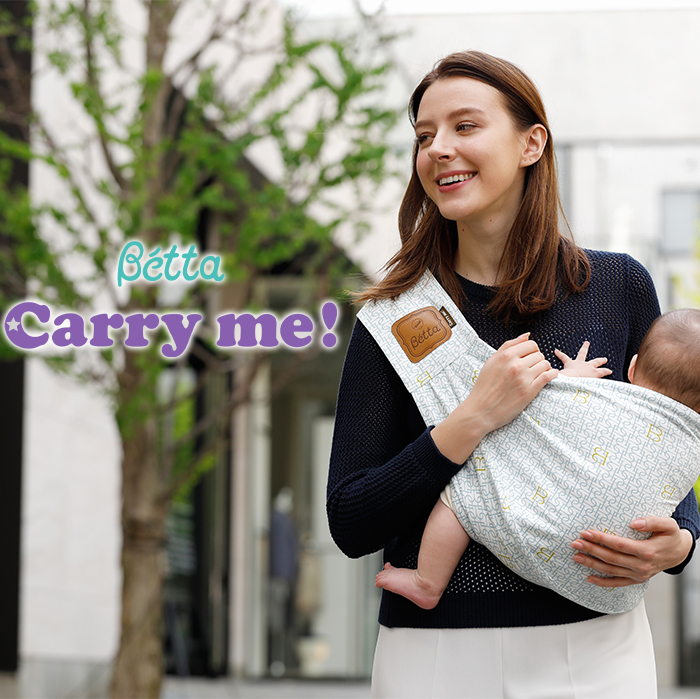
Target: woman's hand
x: 506, y: 384
x: 630, y: 561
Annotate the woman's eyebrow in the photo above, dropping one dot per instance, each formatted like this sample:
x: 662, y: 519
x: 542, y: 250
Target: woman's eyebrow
x: 455, y: 114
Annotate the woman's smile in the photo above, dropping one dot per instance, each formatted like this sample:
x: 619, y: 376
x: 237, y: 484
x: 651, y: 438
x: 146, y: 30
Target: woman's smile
x: 470, y: 157
x: 449, y: 181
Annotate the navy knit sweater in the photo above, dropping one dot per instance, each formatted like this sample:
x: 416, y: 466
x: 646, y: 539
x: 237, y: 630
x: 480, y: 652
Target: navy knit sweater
x: 386, y: 473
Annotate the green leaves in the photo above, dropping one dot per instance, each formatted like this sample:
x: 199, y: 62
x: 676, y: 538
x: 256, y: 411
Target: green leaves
x: 265, y: 165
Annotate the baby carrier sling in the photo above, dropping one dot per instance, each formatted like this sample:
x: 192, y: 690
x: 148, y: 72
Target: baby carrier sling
x: 585, y: 454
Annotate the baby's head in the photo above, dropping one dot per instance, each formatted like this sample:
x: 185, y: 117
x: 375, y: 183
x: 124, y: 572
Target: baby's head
x: 669, y: 357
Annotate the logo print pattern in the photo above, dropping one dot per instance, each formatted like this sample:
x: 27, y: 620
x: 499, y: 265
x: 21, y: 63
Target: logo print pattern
x: 586, y: 453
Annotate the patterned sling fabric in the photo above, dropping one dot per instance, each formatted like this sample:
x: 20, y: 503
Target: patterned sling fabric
x: 586, y: 453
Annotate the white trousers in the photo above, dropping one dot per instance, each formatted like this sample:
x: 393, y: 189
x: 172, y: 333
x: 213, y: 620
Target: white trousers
x: 610, y: 657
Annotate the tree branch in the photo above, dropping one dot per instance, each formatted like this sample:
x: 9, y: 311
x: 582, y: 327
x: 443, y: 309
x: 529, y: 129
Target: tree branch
x: 219, y: 419
x: 92, y: 81
x: 221, y: 416
x: 217, y: 366
x: 55, y: 153
x: 18, y: 87
x: 218, y: 29
x: 238, y: 397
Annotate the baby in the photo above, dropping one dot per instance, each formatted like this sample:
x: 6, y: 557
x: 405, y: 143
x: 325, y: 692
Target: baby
x: 667, y: 363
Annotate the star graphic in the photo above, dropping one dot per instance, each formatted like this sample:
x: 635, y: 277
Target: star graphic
x: 13, y: 324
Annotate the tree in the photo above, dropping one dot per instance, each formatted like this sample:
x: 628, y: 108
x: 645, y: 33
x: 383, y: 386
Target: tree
x: 162, y: 136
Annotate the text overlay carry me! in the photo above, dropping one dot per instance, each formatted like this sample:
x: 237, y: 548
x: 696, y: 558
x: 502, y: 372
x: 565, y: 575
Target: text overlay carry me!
x: 295, y: 330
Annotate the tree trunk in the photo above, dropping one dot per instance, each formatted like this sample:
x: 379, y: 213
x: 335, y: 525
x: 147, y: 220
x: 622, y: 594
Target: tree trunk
x: 138, y: 667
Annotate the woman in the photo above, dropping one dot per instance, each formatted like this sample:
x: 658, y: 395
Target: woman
x: 481, y: 212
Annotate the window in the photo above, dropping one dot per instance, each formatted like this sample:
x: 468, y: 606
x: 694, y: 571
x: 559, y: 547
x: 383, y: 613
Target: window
x: 681, y: 221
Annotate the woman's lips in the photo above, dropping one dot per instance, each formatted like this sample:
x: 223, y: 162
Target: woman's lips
x: 448, y: 181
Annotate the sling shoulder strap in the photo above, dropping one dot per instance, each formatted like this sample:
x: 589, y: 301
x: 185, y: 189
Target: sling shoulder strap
x: 423, y: 334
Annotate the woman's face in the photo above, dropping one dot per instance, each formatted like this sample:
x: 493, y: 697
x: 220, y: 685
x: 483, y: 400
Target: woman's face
x: 471, y: 158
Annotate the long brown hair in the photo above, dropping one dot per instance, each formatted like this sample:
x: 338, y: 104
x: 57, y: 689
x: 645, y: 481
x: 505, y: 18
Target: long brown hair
x: 538, y: 260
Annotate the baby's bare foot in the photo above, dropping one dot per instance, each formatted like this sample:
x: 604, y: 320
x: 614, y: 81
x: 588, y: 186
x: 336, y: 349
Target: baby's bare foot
x: 407, y: 583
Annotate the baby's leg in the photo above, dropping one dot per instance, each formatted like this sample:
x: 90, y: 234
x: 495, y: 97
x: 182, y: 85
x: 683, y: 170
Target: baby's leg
x: 443, y: 543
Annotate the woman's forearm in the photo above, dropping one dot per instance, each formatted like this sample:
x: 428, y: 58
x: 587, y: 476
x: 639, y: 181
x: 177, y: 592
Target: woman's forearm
x: 385, y: 472
x: 507, y: 383
x: 458, y: 435
x: 385, y: 476
x: 371, y: 506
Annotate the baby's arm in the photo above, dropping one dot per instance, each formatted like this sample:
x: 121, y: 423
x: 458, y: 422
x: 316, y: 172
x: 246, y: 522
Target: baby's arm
x: 592, y: 369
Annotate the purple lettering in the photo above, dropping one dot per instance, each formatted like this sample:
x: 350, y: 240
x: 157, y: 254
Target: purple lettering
x: 294, y: 324
x: 247, y: 324
x: 137, y: 322
x: 13, y: 325
x: 100, y: 328
x: 73, y: 334
x: 180, y: 334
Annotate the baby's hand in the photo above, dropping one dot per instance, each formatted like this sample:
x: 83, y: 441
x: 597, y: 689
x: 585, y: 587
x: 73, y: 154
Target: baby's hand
x: 592, y: 369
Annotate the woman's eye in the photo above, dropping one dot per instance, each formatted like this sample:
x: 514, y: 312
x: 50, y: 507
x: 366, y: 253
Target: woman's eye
x: 422, y: 138
x: 465, y: 126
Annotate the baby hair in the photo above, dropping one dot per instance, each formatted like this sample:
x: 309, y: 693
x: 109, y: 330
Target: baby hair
x: 669, y: 357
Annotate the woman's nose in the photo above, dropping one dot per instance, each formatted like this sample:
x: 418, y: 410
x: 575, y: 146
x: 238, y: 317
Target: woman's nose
x: 441, y: 148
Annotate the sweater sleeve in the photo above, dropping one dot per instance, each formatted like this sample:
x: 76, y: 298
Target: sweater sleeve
x: 644, y: 308
x: 385, y: 471
x: 642, y: 304
x: 686, y: 514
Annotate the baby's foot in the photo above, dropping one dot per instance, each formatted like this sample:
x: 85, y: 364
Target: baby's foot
x: 407, y: 583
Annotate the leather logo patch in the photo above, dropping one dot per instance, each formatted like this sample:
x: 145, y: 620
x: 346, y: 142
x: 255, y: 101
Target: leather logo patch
x: 421, y: 331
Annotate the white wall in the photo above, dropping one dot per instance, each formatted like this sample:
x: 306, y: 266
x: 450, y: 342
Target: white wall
x: 602, y: 74
x: 70, y: 577
x: 617, y: 200
x: 618, y: 86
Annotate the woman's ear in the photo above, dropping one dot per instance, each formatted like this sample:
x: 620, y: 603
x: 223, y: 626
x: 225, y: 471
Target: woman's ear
x: 630, y: 371
x: 535, y: 141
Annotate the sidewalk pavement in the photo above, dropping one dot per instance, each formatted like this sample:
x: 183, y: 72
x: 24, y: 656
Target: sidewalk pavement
x: 227, y: 688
